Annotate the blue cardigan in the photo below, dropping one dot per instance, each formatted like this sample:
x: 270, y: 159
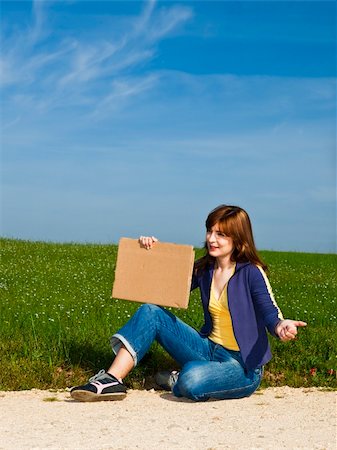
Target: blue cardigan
x: 252, y: 308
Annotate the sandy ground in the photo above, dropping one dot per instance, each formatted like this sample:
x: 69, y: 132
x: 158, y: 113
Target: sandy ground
x: 275, y: 418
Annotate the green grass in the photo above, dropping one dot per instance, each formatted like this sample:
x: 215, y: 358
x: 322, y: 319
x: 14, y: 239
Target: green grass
x: 57, y: 315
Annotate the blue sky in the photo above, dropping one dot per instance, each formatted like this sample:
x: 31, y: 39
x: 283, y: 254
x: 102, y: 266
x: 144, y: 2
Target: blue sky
x: 128, y: 118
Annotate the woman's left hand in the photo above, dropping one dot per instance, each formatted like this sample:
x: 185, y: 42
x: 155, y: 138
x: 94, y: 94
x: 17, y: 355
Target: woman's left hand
x: 147, y: 241
x: 286, y: 329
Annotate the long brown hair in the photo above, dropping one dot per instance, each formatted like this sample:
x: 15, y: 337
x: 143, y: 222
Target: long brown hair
x: 235, y: 223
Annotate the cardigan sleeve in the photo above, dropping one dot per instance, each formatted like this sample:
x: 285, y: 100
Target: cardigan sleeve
x: 194, y: 281
x: 263, y: 299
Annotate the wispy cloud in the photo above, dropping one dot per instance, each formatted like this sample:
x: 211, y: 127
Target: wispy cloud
x: 38, y: 30
x: 18, y: 45
x: 91, y: 125
x: 121, y: 90
x: 67, y: 70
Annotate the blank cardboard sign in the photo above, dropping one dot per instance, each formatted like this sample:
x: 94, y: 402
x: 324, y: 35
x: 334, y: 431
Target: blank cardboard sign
x: 161, y: 275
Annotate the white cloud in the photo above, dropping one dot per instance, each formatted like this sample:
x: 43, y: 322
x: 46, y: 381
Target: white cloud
x: 121, y: 91
x: 167, y: 20
x: 38, y: 30
x: 32, y: 57
x: 88, y: 128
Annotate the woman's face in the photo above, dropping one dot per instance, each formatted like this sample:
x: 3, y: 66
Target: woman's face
x: 219, y: 245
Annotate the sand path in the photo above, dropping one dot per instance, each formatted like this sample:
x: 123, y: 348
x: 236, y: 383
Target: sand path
x: 275, y: 418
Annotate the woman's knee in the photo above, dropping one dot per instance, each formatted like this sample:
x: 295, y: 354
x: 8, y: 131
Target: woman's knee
x: 150, y: 314
x: 149, y: 309
x: 191, y: 381
x: 198, y: 381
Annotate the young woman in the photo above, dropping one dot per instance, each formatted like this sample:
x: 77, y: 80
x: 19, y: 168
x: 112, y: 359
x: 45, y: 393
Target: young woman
x: 225, y: 358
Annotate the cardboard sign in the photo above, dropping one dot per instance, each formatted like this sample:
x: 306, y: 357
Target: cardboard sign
x: 161, y: 275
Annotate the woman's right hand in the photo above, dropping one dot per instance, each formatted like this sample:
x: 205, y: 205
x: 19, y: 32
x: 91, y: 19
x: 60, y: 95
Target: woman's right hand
x: 147, y: 241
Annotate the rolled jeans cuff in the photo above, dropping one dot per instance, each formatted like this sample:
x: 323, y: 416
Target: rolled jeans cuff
x: 116, y: 342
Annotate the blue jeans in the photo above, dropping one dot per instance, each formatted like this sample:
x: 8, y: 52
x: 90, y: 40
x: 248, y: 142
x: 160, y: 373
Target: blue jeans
x: 208, y: 369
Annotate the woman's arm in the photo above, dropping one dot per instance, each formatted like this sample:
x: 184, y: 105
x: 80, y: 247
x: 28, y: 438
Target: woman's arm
x: 284, y: 329
x: 263, y: 298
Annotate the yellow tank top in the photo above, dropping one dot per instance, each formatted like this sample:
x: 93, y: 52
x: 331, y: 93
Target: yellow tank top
x: 222, y: 332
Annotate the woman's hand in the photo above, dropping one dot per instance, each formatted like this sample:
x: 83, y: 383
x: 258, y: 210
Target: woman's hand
x: 286, y: 329
x: 147, y: 242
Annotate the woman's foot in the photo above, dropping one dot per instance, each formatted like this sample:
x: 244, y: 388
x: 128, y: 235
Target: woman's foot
x: 166, y: 379
x: 102, y: 386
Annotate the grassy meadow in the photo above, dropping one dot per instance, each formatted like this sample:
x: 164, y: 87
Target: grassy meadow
x: 57, y: 315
